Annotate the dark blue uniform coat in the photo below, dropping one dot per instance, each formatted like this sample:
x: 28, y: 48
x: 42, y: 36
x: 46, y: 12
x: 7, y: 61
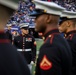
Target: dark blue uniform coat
x: 11, y: 62
x: 55, y: 57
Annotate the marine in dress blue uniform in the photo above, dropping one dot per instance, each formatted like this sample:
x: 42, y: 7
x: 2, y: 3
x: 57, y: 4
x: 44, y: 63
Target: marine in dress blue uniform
x: 55, y: 57
x: 26, y: 44
x: 68, y: 27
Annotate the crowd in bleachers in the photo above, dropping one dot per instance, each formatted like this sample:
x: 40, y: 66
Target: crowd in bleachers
x: 21, y: 16
x: 70, y: 5
x: 27, y: 6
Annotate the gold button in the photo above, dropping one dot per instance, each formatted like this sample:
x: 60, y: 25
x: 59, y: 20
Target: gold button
x: 65, y: 35
x: 43, y: 38
x: 49, y: 35
x: 45, y: 11
x: 34, y: 72
x: 37, y: 56
x: 70, y: 35
x: 23, y: 43
x: 35, y: 65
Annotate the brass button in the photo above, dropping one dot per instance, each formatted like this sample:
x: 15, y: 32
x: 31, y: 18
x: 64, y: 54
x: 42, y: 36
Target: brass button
x: 70, y: 35
x: 37, y: 56
x: 49, y: 35
x: 35, y: 65
x: 23, y: 45
x: 34, y: 72
x: 65, y: 35
x: 43, y: 38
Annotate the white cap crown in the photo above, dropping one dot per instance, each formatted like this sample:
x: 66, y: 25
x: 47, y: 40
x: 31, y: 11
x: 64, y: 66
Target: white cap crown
x: 50, y: 7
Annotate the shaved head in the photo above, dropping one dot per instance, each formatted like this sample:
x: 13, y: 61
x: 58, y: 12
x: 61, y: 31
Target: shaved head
x: 67, y: 25
x: 46, y: 22
x: 54, y: 19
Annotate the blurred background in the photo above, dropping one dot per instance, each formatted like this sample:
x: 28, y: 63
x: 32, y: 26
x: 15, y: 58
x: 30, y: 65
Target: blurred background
x: 22, y: 8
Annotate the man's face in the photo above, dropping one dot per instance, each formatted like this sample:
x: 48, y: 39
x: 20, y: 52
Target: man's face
x: 9, y: 27
x: 63, y: 27
x: 31, y: 8
x: 40, y: 21
x: 24, y: 31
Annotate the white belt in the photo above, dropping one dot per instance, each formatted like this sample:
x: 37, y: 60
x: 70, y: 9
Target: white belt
x: 24, y: 50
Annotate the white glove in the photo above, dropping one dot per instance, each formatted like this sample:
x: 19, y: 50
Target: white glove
x: 32, y: 63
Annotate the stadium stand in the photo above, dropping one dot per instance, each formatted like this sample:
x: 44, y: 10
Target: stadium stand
x: 27, y: 6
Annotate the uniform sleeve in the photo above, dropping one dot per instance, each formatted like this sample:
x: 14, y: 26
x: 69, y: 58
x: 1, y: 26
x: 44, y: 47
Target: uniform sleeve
x: 72, y: 43
x: 12, y: 62
x: 48, y: 62
x: 33, y: 49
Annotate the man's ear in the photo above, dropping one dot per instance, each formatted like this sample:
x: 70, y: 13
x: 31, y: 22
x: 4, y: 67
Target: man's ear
x: 69, y: 23
x: 48, y: 19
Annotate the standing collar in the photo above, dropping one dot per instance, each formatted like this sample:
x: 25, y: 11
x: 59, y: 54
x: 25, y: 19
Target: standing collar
x: 24, y: 35
x: 51, y: 32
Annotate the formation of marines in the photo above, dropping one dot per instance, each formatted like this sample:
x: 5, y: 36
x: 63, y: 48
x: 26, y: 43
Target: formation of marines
x: 57, y: 55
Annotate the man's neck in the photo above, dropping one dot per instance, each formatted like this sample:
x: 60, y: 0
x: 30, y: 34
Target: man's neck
x: 71, y: 29
x: 49, y: 28
x: 24, y: 34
